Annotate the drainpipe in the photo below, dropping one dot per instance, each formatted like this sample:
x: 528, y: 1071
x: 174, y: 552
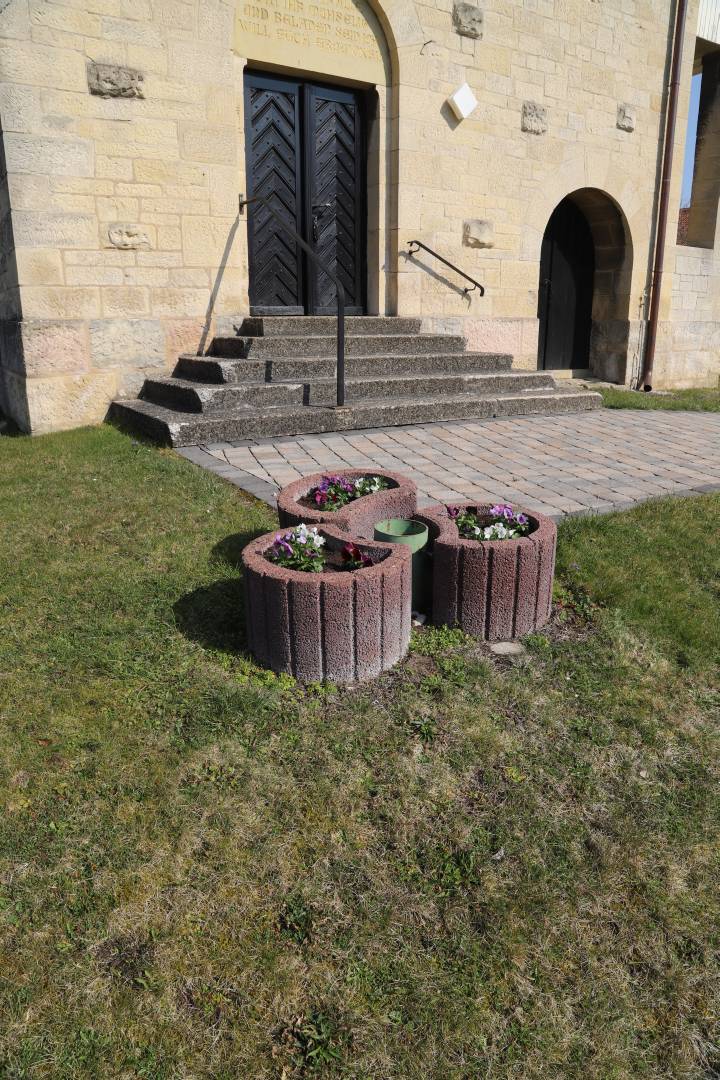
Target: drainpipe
x: 664, y: 199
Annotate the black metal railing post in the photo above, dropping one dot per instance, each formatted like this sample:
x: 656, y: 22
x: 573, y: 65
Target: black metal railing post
x: 340, y: 292
x: 441, y: 258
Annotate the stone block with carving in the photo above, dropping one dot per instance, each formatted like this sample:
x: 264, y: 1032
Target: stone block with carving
x: 468, y: 20
x: 111, y: 80
x: 478, y: 234
x: 534, y: 118
x: 128, y: 237
x: 625, y: 117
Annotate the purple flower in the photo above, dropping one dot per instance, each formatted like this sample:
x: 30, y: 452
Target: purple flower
x: 521, y: 519
x: 281, y: 545
x: 453, y: 512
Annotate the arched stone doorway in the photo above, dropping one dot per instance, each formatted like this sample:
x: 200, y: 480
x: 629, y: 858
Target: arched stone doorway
x: 584, y: 290
x: 318, y: 109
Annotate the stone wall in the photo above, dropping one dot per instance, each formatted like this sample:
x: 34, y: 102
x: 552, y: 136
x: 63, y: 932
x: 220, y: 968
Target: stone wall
x: 688, y: 344
x: 123, y: 130
x: 123, y: 193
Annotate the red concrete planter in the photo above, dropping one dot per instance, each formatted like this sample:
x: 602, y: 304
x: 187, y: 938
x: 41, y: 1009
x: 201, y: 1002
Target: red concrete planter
x: 494, y: 589
x: 342, y: 627
x: 358, y: 517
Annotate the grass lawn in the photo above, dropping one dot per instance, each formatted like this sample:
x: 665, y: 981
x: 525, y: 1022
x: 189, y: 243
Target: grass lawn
x: 692, y: 400
x: 469, y: 869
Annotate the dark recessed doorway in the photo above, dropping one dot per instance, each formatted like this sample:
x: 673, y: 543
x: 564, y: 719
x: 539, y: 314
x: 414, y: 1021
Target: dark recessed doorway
x: 306, y: 154
x: 565, y: 299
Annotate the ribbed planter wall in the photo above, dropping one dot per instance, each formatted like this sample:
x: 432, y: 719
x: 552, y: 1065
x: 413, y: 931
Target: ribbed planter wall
x: 497, y: 589
x: 358, y: 517
x: 343, y: 627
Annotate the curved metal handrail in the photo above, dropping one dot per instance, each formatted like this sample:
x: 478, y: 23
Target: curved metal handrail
x: 340, y: 367
x: 475, y: 284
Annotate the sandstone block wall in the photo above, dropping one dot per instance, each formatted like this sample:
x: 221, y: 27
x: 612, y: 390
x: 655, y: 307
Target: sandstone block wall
x: 122, y: 207
x: 118, y: 201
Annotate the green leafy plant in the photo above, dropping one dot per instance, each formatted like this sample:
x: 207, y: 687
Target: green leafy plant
x: 334, y: 492
x: 501, y: 522
x: 299, y: 549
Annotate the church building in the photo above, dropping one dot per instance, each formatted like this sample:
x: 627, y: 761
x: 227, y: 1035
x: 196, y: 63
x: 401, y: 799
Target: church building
x: 514, y: 195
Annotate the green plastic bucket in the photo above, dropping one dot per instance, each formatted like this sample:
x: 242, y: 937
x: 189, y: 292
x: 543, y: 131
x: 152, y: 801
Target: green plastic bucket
x: 415, y: 536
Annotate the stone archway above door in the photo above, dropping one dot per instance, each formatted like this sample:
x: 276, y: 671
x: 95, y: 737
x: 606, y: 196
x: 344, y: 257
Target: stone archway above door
x: 603, y: 343
x: 341, y: 39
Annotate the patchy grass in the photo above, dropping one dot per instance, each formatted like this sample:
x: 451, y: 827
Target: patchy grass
x: 469, y: 869
x: 699, y: 400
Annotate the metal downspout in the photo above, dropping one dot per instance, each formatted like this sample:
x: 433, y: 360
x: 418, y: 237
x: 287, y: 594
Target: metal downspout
x: 664, y: 200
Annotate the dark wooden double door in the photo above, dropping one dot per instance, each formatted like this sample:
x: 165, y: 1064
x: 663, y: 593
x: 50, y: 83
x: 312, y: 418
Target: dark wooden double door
x: 567, y: 272
x: 305, y: 151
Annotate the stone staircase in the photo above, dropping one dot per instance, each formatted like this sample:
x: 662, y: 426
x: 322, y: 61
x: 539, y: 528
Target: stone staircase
x: 276, y: 376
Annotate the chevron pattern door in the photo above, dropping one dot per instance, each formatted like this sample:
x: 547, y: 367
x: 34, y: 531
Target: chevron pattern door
x: 336, y: 181
x: 305, y: 154
x: 274, y: 167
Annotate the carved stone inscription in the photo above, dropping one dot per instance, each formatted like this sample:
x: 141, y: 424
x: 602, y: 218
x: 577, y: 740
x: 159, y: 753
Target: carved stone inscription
x: 334, y: 26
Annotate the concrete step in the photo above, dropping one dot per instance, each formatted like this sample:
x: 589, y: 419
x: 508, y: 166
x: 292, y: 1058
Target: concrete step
x: 321, y: 345
x: 481, y: 384
x: 212, y: 369
x: 187, y: 395
x: 324, y: 325
x: 183, y: 429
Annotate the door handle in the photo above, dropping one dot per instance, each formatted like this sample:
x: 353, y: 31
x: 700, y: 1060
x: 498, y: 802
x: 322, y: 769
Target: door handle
x: 318, y: 210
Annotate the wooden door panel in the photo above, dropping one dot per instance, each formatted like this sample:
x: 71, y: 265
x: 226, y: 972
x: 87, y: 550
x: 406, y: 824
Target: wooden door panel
x: 305, y: 152
x: 336, y: 197
x: 273, y: 148
x: 567, y: 270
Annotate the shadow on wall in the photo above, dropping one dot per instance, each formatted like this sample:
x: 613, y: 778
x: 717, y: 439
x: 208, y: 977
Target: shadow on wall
x: 217, y: 284
x: 8, y: 427
x: 440, y: 277
x: 13, y: 402
x: 613, y: 348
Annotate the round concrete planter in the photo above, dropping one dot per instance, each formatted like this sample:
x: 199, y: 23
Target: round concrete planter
x: 494, y: 589
x: 359, y: 516
x: 343, y: 627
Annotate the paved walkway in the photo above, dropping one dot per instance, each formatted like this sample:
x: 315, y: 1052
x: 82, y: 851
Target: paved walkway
x: 578, y: 463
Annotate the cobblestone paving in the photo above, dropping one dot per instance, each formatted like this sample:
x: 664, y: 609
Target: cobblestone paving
x: 580, y: 463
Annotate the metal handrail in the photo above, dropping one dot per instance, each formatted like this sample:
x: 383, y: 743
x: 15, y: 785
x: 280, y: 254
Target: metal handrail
x: 475, y: 284
x: 340, y: 367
